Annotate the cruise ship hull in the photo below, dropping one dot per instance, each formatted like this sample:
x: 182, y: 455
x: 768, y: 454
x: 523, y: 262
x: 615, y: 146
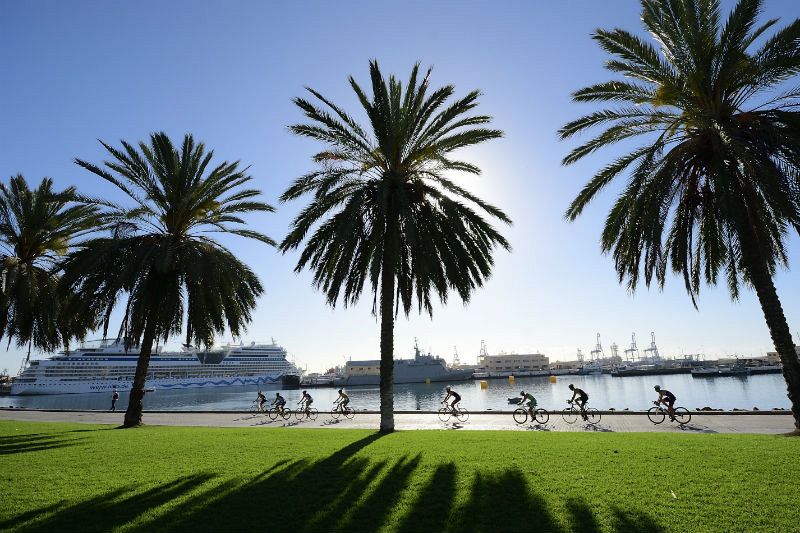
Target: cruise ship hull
x: 85, y: 387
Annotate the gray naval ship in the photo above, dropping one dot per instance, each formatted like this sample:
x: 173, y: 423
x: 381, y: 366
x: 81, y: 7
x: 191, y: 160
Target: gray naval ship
x: 420, y: 369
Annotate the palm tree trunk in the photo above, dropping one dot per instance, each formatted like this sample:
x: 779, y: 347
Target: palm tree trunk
x: 387, y: 321
x: 387, y: 344
x: 778, y: 327
x: 133, y: 414
x: 781, y: 336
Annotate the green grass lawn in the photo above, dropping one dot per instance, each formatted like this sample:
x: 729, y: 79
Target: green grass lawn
x: 57, y: 477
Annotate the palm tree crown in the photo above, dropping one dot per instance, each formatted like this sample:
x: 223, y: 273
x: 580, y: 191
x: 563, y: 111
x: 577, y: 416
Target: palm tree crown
x: 715, y: 186
x: 162, y: 254
x: 720, y: 142
x: 384, y: 189
x: 383, y: 209
x: 37, y: 228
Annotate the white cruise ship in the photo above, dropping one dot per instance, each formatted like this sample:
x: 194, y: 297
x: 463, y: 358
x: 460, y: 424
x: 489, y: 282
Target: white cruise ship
x: 101, y: 366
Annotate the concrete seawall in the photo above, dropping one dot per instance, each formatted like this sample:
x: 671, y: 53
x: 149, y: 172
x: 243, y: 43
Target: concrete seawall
x: 764, y: 422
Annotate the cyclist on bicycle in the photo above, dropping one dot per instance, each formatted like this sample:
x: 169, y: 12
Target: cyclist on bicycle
x: 456, y: 398
x: 279, y: 402
x: 580, y: 397
x: 531, y: 405
x: 261, y: 400
x: 307, y: 399
x: 668, y: 399
x: 342, y: 400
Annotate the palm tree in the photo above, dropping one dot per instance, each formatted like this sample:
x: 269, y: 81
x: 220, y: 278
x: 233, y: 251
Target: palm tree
x: 715, y: 186
x: 162, y: 256
x: 383, y: 210
x: 37, y: 228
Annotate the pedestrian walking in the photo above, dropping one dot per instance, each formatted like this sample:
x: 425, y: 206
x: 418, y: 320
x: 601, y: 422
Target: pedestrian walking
x: 114, y: 398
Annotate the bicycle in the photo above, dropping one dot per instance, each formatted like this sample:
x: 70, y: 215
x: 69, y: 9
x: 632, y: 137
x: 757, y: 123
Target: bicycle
x: 273, y: 413
x: 658, y: 414
x: 255, y: 408
x: 309, y: 413
x: 338, y: 411
x: 446, y: 412
x: 539, y: 416
x: 572, y: 413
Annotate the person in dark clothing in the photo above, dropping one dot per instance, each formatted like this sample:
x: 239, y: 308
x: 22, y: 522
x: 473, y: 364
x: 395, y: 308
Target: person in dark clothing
x: 668, y: 399
x: 114, y: 398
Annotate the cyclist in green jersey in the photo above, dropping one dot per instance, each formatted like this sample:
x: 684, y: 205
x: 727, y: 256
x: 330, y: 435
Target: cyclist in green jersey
x: 528, y: 397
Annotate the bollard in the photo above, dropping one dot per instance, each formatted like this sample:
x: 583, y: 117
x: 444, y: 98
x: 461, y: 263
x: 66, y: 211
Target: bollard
x: 484, y: 384
x: 553, y: 379
x: 511, y: 378
x: 427, y: 381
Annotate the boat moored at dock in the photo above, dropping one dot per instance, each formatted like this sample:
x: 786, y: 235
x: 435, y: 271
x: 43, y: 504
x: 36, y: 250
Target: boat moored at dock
x: 420, y: 369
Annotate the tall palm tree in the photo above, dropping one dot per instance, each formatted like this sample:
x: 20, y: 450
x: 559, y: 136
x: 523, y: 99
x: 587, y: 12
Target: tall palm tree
x: 715, y: 186
x: 383, y: 210
x: 37, y: 228
x: 162, y: 256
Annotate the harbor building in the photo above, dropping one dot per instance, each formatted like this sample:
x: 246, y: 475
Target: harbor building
x: 514, y: 362
x: 774, y: 358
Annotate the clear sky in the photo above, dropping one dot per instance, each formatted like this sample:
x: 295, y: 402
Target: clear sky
x: 73, y: 72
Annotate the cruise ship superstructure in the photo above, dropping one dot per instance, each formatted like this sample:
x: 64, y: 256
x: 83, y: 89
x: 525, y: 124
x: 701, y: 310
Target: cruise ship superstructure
x: 105, y: 365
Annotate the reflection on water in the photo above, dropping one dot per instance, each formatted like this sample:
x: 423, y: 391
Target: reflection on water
x: 762, y: 391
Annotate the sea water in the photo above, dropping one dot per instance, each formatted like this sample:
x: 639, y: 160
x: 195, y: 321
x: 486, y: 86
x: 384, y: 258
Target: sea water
x: 766, y: 391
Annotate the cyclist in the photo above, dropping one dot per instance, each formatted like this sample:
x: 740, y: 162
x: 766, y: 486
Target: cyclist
x: 261, y: 400
x: 580, y: 397
x: 279, y: 402
x: 342, y: 400
x: 307, y: 399
x: 531, y: 405
x: 668, y: 399
x: 456, y: 398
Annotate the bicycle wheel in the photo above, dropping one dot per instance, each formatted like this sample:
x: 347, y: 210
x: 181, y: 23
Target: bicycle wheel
x: 520, y: 415
x: 349, y: 413
x: 463, y: 415
x: 570, y: 415
x: 541, y: 416
x: 656, y: 415
x: 300, y: 414
x: 592, y: 416
x: 312, y: 413
x: 272, y: 414
x: 444, y: 414
x: 682, y: 415
x: 286, y: 414
x: 253, y: 408
x: 335, y: 413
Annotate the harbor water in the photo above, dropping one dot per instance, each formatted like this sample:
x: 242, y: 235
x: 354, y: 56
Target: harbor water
x: 635, y: 393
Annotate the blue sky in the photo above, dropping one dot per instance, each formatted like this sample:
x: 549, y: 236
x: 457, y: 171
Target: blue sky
x: 73, y: 72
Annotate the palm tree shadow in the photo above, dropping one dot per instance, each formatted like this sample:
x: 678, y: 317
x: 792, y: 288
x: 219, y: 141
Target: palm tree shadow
x: 107, y: 512
x: 307, y: 496
x: 483, y: 511
x: 581, y: 516
x: 35, y: 442
x: 431, y: 511
x: 634, y: 521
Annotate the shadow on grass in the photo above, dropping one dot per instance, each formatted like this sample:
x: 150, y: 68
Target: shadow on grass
x: 35, y: 442
x: 344, y: 491
x: 106, y: 512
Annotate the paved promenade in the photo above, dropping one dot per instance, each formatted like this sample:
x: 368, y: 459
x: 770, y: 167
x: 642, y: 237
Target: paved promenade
x: 765, y: 422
